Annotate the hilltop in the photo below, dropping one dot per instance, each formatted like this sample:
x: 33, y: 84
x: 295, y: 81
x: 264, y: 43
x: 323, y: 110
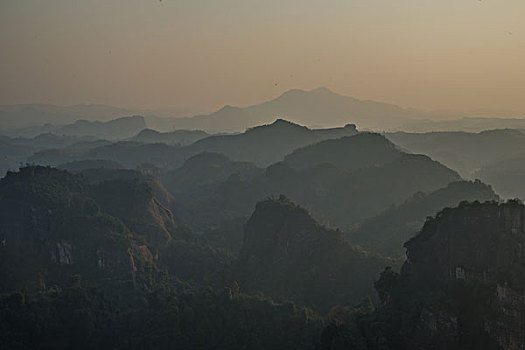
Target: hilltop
x: 314, y: 108
x: 463, y: 282
x: 341, y: 181
x: 177, y: 137
x: 267, y: 144
x: 287, y: 254
x: 387, y: 231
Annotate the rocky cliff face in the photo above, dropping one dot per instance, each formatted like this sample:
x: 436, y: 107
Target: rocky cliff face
x: 471, y: 253
x: 387, y: 232
x: 51, y: 228
x: 133, y: 202
x: 482, y: 241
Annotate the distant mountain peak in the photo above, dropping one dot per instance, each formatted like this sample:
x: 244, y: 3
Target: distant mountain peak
x: 293, y: 92
x: 279, y: 123
x: 318, y: 90
x: 228, y: 108
x: 148, y: 132
x: 323, y: 90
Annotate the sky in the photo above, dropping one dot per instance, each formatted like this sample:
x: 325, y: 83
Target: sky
x: 198, y: 55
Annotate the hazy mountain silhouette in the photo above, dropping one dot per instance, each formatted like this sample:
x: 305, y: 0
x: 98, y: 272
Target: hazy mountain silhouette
x: 26, y: 115
x: 81, y: 165
x: 262, y: 145
x: 358, y: 177
x: 266, y: 144
x: 206, y: 170
x: 129, y: 154
x: 462, y: 285
x: 466, y: 124
x: 177, y: 137
x: 114, y: 129
x: 315, y: 108
x: 47, y: 140
x: 16, y: 150
x: 461, y: 151
x: 507, y: 176
x: 387, y: 231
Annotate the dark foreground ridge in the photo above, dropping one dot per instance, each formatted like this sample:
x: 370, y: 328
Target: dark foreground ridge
x: 463, y: 284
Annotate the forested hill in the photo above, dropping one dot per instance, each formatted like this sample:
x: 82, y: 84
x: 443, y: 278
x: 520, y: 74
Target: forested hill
x: 287, y: 254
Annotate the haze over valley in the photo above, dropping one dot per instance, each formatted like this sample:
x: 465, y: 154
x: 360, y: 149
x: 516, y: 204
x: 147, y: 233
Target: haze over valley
x: 262, y: 175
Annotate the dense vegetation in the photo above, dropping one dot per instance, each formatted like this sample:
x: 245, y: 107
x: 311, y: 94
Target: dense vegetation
x: 82, y: 269
x: 224, y: 243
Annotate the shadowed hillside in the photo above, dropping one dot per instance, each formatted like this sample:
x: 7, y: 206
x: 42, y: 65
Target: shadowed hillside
x: 287, y: 254
x: 52, y: 228
x: 387, y: 232
x: 262, y: 145
x: 506, y: 176
x: 358, y: 177
x: 463, y: 283
x: 267, y: 144
x: 177, y: 137
x: 462, y: 151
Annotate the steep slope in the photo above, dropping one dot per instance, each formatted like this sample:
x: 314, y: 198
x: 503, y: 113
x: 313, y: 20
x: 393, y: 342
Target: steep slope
x: 98, y: 175
x: 463, y: 283
x: 287, y: 254
x: 138, y: 199
x: 387, y: 231
x: 146, y: 217
x: 51, y: 228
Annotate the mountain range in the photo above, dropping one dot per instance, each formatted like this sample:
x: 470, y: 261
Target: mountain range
x: 316, y: 108
x: 464, y: 152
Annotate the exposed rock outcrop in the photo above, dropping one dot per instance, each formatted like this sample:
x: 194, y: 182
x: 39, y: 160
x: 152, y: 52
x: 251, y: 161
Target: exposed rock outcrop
x: 466, y: 271
x: 51, y: 227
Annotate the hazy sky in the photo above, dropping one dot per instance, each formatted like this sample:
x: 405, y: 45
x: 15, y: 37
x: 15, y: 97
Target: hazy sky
x: 202, y: 54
